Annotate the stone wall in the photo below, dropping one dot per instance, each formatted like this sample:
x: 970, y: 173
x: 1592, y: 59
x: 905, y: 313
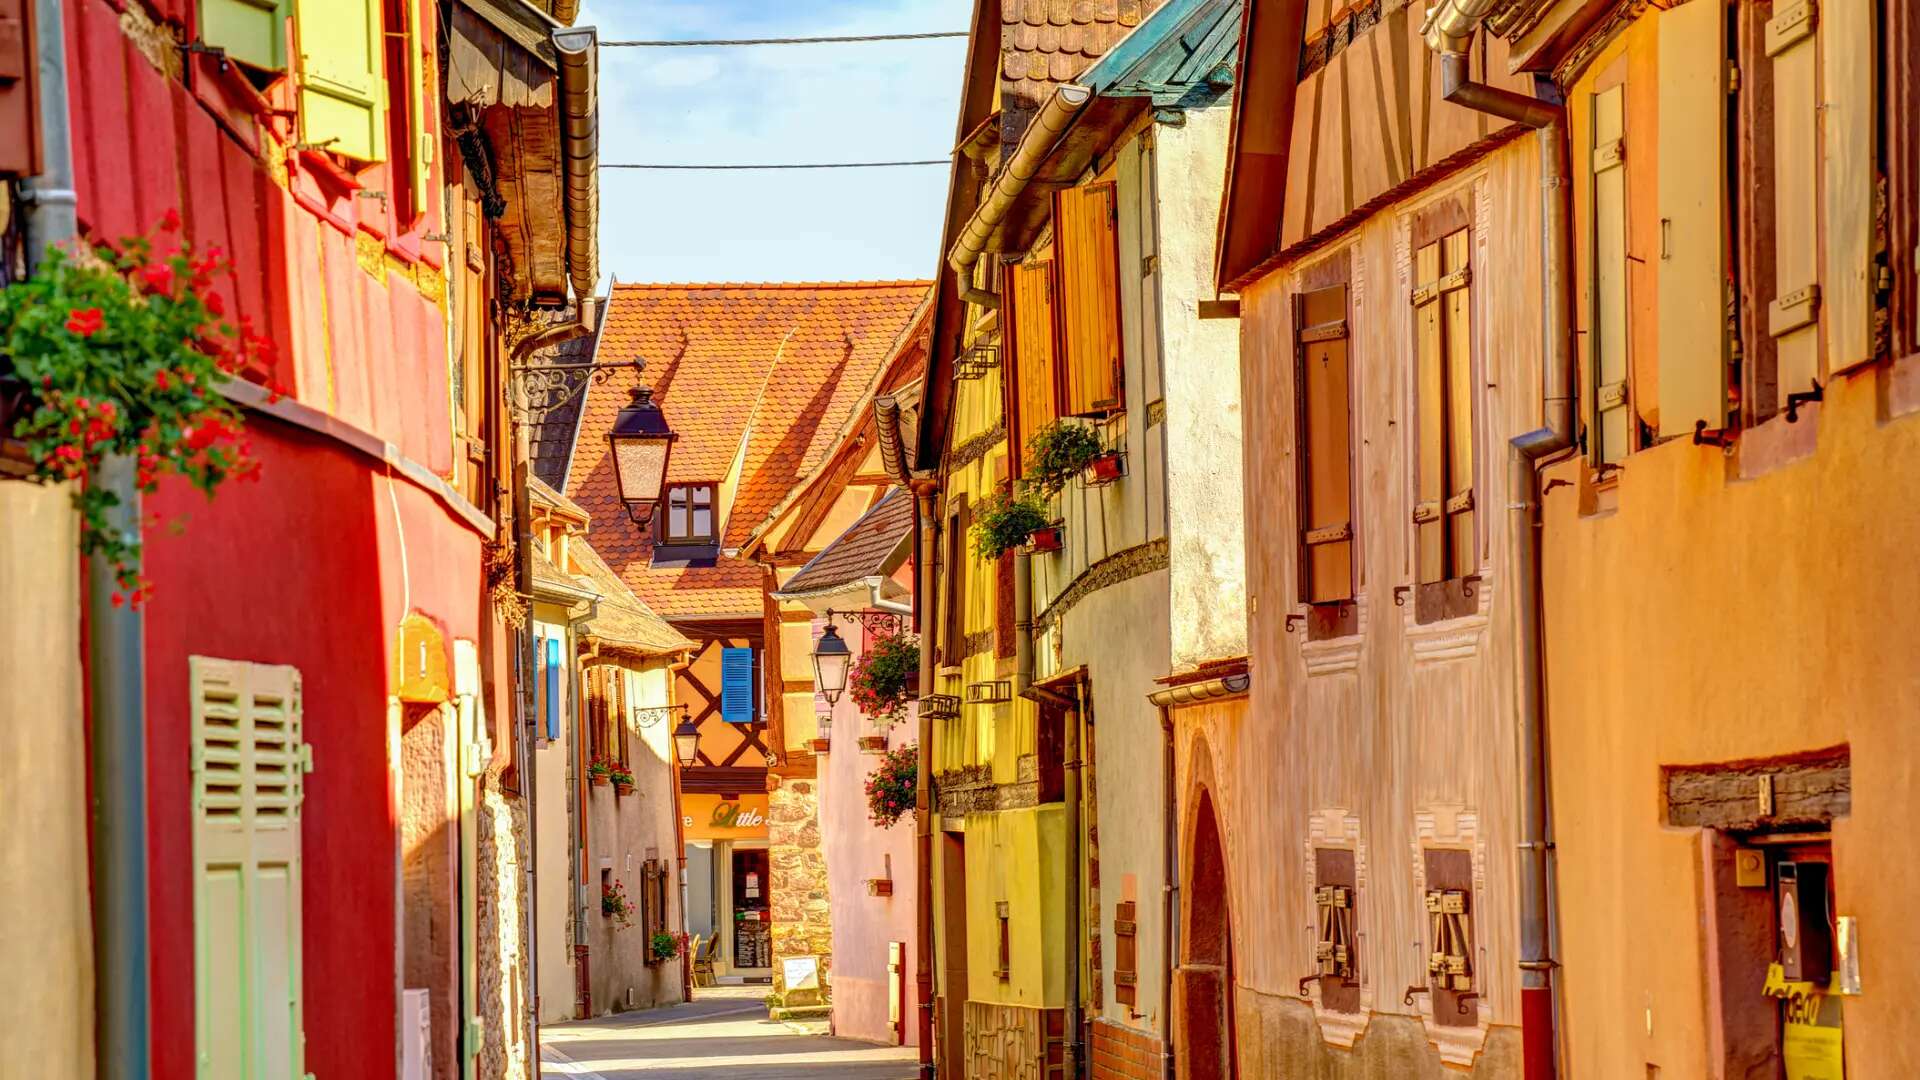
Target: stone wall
x: 501, y: 927
x: 1278, y: 1036
x: 798, y: 890
x: 1012, y: 1042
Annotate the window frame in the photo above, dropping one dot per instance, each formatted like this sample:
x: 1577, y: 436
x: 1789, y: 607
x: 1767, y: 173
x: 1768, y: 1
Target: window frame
x: 668, y: 536
x: 1435, y: 227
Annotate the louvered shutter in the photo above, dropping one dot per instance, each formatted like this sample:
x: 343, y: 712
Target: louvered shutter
x: 249, y: 764
x: 251, y: 31
x: 1126, y: 959
x: 420, y: 153
x: 342, y: 93
x: 736, y: 686
x: 1792, y: 44
x: 1034, y: 377
x: 1692, y: 176
x: 1607, y: 337
x: 1321, y: 389
x: 1443, y: 514
x: 552, y: 683
x: 1089, y: 295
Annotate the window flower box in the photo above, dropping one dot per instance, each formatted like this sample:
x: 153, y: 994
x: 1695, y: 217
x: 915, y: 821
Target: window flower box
x: 879, y: 886
x: 1047, y: 539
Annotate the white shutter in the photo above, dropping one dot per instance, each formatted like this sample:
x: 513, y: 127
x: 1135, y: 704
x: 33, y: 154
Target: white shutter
x: 1692, y: 169
x: 249, y: 778
x: 1850, y: 55
x: 1793, y: 319
x: 1612, y: 427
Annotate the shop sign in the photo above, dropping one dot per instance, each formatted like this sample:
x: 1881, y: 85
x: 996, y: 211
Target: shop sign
x: 710, y: 817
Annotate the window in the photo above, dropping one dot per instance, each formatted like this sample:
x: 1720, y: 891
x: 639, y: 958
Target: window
x: 736, y: 686
x: 1030, y: 384
x: 249, y: 766
x: 1691, y: 268
x: 1325, y: 445
x: 1444, y: 538
x: 342, y: 60
x: 1612, y: 429
x: 1336, y: 951
x: 653, y: 906
x: 1003, y: 962
x: 1087, y: 263
x: 689, y: 517
x: 1451, y: 977
x: 412, y: 150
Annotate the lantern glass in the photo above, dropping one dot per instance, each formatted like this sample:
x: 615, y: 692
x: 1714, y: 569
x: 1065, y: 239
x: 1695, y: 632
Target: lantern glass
x: 831, y: 659
x: 686, y: 743
x: 642, y: 446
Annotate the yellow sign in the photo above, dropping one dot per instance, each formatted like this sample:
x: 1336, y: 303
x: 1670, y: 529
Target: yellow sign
x: 710, y: 817
x: 1811, y: 1036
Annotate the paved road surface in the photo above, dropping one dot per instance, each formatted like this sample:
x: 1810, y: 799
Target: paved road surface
x: 724, y: 1035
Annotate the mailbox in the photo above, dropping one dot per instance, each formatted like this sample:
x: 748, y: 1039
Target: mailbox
x: 1806, y: 931
x: 19, y: 91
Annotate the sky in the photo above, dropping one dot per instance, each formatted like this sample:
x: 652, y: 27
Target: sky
x: 790, y: 103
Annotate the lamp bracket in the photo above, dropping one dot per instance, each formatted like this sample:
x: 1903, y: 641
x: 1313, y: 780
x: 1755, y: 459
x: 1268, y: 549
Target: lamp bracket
x: 652, y: 715
x: 545, y: 387
x: 876, y: 623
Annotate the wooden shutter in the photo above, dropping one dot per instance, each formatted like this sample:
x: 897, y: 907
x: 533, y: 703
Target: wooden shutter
x: 342, y: 94
x: 1444, y: 544
x: 1321, y: 390
x: 1088, y: 267
x: 1126, y: 949
x: 1692, y: 177
x: 1792, y: 46
x: 251, y: 31
x: 249, y: 766
x: 1607, y: 336
x: 421, y: 144
x: 1033, y: 383
x: 736, y: 686
x: 959, y: 555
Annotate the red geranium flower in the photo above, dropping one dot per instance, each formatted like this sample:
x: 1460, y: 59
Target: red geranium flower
x: 170, y: 221
x: 85, y: 321
x: 158, y: 276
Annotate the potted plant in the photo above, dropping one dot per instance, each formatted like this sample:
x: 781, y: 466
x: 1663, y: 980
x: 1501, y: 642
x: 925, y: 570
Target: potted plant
x: 120, y: 351
x: 1046, y: 539
x: 883, y: 680
x: 890, y: 787
x: 664, y: 946
x: 1105, y: 468
x: 622, y: 778
x: 1005, y: 521
x: 1057, y: 453
x: 600, y: 771
x: 615, y: 905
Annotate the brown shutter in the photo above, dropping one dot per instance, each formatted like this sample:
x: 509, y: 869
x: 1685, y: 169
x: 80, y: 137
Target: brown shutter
x: 1033, y: 379
x: 1088, y: 267
x: 1444, y: 543
x: 1325, y: 446
x: 1126, y: 954
x: 959, y: 523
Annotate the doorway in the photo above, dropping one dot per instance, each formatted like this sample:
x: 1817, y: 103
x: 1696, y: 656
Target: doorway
x: 1206, y: 966
x: 951, y: 994
x: 752, y: 932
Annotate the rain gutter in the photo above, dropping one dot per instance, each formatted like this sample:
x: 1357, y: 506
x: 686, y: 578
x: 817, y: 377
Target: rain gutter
x: 578, y: 49
x: 1449, y: 30
x: 1048, y: 125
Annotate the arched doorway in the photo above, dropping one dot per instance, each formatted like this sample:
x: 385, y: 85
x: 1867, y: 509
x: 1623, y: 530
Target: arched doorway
x: 1206, y: 965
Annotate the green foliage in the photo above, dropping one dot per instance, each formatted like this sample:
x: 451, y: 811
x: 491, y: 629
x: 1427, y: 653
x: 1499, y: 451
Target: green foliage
x: 890, y: 787
x: 664, y: 945
x: 1060, y: 451
x: 615, y: 905
x: 883, y: 678
x: 120, y: 352
x: 1005, y: 521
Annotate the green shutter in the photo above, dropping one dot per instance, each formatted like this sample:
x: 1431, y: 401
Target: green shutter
x: 249, y: 777
x: 254, y: 32
x: 342, y: 92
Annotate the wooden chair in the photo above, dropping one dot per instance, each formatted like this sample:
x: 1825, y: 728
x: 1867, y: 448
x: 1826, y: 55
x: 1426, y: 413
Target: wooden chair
x: 704, y: 952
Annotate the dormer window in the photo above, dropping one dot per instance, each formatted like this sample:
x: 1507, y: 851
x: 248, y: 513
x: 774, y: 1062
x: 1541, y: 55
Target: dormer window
x: 689, y: 514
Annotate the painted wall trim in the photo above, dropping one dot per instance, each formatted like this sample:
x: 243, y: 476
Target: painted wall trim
x: 259, y: 399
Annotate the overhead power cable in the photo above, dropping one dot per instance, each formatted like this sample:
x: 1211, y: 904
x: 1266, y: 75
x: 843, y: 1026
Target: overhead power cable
x: 705, y: 42
x: 809, y: 165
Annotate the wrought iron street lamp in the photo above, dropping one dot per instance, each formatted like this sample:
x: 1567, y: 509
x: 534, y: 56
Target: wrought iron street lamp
x: 831, y: 658
x: 642, y: 443
x: 686, y: 742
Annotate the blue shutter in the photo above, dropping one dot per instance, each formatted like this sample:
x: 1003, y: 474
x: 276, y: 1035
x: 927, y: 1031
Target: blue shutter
x: 553, y: 688
x: 736, y: 686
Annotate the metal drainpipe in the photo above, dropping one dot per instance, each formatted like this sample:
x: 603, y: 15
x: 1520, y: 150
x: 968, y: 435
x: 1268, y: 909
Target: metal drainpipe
x: 1169, y: 886
x: 576, y: 821
x: 923, y: 784
x: 1451, y: 26
x: 116, y: 651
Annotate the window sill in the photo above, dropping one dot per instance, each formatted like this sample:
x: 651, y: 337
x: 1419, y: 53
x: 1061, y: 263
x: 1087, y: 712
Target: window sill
x: 1776, y: 443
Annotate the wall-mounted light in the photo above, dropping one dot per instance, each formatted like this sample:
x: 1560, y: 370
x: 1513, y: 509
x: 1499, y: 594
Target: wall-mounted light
x: 642, y: 444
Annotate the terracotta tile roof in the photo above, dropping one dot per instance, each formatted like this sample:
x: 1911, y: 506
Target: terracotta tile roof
x: 865, y: 550
x: 762, y: 374
x: 1047, y: 42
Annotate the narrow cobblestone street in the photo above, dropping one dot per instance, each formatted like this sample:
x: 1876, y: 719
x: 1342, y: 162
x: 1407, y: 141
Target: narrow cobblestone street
x: 725, y: 1033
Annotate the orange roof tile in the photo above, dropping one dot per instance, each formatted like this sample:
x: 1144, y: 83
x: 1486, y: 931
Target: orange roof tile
x: 1047, y: 42
x: 766, y: 374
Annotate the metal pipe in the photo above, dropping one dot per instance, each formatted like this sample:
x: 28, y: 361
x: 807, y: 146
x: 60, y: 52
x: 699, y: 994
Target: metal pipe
x: 1035, y: 144
x: 923, y: 593
x: 1076, y: 936
x: 1169, y: 886
x: 116, y: 649
x: 1449, y: 30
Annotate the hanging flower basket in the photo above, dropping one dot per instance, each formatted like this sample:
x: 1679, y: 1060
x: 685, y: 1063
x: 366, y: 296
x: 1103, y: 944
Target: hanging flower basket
x: 1004, y: 522
x: 1047, y: 539
x: 1111, y: 465
x: 1057, y: 453
x: 890, y: 787
x: 119, y: 353
x: 615, y: 905
x: 665, y: 945
x: 883, y: 680
x: 604, y: 770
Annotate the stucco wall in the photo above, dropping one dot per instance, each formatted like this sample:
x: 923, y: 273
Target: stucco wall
x: 1695, y: 617
x: 856, y: 850
x: 46, y: 930
x: 1206, y: 547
